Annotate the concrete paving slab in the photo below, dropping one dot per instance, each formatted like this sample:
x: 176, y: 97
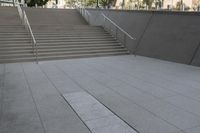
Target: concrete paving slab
x: 193, y: 130
x: 151, y: 95
x: 173, y: 114
x: 185, y: 103
x: 121, y: 106
x: 56, y: 115
x: 18, y: 111
x: 91, y: 114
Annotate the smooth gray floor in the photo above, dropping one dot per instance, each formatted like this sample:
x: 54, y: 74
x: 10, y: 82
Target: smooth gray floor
x: 151, y: 95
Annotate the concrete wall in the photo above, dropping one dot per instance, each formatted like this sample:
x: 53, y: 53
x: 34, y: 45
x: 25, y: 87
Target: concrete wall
x: 163, y: 35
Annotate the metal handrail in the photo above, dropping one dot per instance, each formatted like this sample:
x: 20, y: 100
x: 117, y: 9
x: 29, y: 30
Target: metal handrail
x: 118, y: 28
x: 26, y: 23
x: 127, y: 34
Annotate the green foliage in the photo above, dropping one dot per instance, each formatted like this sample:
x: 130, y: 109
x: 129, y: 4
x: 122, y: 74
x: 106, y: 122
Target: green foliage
x: 148, y: 3
x: 70, y: 3
x: 90, y: 2
x: 103, y: 3
x: 178, y: 5
x: 34, y: 2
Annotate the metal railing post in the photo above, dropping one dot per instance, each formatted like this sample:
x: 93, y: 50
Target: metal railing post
x: 124, y: 39
x: 116, y: 32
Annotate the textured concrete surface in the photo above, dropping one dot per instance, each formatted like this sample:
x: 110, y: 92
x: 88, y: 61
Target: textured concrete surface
x: 7, y: 14
x: 171, y: 37
x: 97, y: 117
x: 151, y: 95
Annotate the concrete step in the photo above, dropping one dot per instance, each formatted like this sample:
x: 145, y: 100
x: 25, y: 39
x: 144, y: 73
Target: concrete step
x: 10, y: 38
x: 30, y: 49
x: 77, y: 43
x: 11, y: 33
x: 60, y: 53
x: 79, y: 48
x: 12, y: 29
x: 31, y: 59
x: 14, y: 44
x: 77, y: 40
x: 68, y: 33
x: 65, y: 31
x: 13, y: 48
x: 60, y: 44
x: 86, y: 55
x: 8, y: 26
x: 19, y: 51
x: 14, y: 35
x: 72, y: 38
x: 28, y: 46
x: 16, y: 55
x: 14, y: 32
x: 80, y: 52
x: 4, y: 42
x: 66, y: 27
x: 17, y: 59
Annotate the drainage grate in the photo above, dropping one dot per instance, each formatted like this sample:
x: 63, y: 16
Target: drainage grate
x: 96, y: 116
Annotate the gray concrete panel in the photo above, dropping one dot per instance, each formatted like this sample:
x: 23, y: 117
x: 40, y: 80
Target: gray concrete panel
x: 19, y: 114
x: 171, y: 37
x: 56, y: 115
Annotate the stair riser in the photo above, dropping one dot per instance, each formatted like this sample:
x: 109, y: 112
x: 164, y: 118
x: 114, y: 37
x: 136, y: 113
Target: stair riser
x: 72, y: 38
x: 59, y: 53
x: 14, y: 42
x: 63, y: 47
x: 67, y: 35
x: 81, y: 56
x: 57, y: 50
x: 14, y: 39
x: 75, y: 40
x: 31, y: 59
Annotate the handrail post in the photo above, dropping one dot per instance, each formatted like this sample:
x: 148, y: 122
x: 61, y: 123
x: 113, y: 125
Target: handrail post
x: 104, y: 23
x: 124, y: 39
x: 88, y: 19
x: 36, y: 52
x: 116, y: 32
x: 110, y: 28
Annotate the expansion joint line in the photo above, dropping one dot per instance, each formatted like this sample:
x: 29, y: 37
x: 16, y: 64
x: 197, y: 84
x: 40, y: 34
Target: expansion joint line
x: 195, y: 53
x: 36, y: 108
x: 142, y: 35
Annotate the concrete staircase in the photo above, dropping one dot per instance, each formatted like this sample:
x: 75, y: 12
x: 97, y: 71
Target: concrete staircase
x: 63, y: 33
x: 15, y: 43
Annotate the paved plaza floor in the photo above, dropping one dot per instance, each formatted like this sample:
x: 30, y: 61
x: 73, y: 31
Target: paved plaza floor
x: 149, y: 95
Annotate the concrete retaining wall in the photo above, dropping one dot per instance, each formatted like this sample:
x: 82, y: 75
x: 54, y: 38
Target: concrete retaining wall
x: 163, y: 35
